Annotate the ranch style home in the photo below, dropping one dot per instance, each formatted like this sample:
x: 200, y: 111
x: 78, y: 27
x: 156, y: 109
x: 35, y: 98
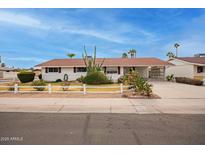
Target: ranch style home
x: 191, y: 67
x: 112, y: 67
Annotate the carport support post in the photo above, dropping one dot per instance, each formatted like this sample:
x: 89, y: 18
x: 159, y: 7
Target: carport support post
x: 121, y: 88
x: 49, y: 88
x: 15, y: 88
x: 84, y: 89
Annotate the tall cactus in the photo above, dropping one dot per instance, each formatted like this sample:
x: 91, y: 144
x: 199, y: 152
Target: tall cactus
x: 90, y: 63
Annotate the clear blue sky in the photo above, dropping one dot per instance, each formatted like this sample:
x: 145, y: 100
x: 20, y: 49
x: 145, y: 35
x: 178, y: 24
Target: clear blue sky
x: 31, y: 36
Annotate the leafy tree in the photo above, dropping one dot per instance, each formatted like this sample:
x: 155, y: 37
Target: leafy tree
x: 171, y: 55
x: 176, y: 45
x: 71, y: 55
x: 124, y: 55
x: 132, y: 53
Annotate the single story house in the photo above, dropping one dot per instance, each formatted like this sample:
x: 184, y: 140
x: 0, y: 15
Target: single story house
x: 191, y: 67
x: 113, y: 68
x: 8, y: 73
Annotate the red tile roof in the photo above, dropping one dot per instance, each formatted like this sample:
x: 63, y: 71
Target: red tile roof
x: 197, y: 60
x: 107, y: 62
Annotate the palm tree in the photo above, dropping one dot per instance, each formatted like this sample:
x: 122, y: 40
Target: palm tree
x: 132, y: 53
x: 3, y: 65
x: 71, y: 55
x: 176, y: 45
x: 124, y: 55
x: 171, y: 55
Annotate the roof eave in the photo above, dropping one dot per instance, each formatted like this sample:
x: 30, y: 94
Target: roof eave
x: 188, y: 62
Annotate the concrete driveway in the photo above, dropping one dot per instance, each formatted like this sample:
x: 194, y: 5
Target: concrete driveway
x: 178, y: 90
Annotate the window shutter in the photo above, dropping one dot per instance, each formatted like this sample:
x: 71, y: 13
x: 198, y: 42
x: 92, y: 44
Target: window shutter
x: 59, y: 70
x: 74, y: 69
x: 105, y: 70
x: 118, y: 70
x: 46, y: 69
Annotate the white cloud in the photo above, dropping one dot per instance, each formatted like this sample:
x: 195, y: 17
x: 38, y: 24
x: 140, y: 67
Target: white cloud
x: 25, y: 59
x: 114, y: 31
x: 21, y: 20
x: 96, y: 33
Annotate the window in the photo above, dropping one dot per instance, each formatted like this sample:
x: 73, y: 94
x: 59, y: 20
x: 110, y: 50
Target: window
x: 199, y: 69
x: 53, y: 69
x: 81, y: 69
x: 112, y: 70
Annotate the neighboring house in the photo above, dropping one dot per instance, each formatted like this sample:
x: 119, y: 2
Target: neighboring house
x: 191, y: 67
x: 113, y: 68
x: 37, y: 71
x: 8, y: 73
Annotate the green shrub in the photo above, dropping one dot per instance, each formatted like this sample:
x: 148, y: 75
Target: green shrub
x: 189, y: 81
x: 96, y: 78
x: 170, y: 77
x: 147, y: 90
x: 40, y: 76
x: 143, y: 87
x: 81, y: 79
x: 39, y: 83
x: 58, y: 80
x: 130, y: 78
x: 120, y: 79
x: 25, y: 77
x: 139, y: 84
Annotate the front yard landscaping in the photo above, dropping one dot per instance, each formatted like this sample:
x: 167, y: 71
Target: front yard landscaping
x: 95, y: 81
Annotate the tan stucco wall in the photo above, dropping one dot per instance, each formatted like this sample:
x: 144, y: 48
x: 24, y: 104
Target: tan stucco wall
x: 10, y: 75
x: 180, y: 71
x: 183, y: 69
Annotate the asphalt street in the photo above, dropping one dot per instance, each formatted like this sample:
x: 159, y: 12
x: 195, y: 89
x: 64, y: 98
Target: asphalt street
x: 108, y: 129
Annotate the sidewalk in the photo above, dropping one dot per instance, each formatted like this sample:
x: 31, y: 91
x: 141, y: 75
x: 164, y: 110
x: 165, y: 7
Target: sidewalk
x: 103, y: 105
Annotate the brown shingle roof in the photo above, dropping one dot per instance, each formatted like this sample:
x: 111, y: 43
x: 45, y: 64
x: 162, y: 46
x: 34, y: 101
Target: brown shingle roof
x: 198, y: 60
x: 107, y: 62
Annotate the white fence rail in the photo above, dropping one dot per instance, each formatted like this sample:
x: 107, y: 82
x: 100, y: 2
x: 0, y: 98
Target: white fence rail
x: 84, y: 89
